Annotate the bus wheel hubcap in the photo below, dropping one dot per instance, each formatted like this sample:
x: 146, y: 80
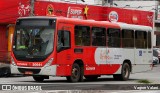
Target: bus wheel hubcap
x: 75, y: 73
x: 126, y: 72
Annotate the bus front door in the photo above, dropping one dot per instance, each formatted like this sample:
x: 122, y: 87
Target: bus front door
x: 64, y: 50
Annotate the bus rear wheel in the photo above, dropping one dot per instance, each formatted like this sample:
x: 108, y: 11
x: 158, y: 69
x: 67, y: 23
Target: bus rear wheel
x: 38, y: 78
x: 75, y: 73
x: 125, y: 73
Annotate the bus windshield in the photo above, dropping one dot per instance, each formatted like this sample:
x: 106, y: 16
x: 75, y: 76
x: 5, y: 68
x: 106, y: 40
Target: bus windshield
x: 33, y: 43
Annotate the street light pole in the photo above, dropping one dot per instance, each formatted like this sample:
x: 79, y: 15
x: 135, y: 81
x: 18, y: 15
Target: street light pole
x: 32, y: 8
x: 103, y: 2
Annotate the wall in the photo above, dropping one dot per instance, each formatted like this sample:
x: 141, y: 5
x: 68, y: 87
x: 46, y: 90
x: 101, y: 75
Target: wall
x: 10, y: 10
x: 3, y: 43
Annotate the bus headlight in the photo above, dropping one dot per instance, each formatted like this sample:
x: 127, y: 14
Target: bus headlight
x: 49, y: 62
x: 13, y: 62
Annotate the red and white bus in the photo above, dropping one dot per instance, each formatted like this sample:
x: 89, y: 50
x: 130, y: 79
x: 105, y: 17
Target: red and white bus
x: 74, y: 48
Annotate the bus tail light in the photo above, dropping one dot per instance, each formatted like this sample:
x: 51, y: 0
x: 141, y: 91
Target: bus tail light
x: 49, y: 62
x: 12, y: 61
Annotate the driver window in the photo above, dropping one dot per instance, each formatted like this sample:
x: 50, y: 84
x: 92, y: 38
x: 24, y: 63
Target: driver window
x: 63, y: 40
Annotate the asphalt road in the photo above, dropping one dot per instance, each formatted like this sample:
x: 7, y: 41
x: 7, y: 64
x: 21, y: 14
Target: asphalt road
x: 103, y: 84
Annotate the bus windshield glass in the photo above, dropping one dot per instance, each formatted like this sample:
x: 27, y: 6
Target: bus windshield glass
x: 33, y: 43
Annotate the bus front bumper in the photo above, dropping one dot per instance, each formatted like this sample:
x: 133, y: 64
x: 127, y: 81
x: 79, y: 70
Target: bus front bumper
x: 49, y: 70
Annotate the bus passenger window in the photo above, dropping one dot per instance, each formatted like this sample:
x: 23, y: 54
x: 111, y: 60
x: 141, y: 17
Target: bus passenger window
x: 98, y: 36
x: 149, y: 40
x: 141, y: 39
x: 82, y: 35
x: 113, y: 38
x: 63, y: 40
x: 127, y: 38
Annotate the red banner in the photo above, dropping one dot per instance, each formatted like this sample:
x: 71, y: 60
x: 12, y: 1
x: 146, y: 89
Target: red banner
x: 75, y: 12
x: 12, y: 9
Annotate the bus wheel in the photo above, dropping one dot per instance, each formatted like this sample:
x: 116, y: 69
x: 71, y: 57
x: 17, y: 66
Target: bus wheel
x: 91, y: 77
x: 7, y: 72
x: 38, y: 78
x: 75, y: 74
x: 124, y: 73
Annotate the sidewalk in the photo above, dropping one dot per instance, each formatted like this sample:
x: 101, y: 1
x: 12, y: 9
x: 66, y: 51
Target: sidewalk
x: 153, y: 75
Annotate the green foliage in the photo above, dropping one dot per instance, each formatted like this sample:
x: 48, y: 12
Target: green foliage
x: 145, y: 81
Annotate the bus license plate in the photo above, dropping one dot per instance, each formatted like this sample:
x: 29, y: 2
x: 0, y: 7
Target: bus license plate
x: 28, y: 73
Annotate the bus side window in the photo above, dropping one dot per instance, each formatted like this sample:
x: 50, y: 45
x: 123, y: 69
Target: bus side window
x: 113, y: 37
x: 141, y: 39
x: 98, y: 36
x: 63, y: 40
x: 127, y: 38
x: 82, y: 35
x: 149, y: 40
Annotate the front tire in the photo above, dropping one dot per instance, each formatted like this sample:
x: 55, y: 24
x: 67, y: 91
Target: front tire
x: 75, y: 73
x: 38, y: 78
x: 125, y: 73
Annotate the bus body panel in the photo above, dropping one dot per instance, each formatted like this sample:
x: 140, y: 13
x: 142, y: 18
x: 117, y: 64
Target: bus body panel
x: 143, y: 60
x: 64, y: 58
x: 142, y: 56
x: 50, y: 70
x: 36, y: 68
x: 96, y: 60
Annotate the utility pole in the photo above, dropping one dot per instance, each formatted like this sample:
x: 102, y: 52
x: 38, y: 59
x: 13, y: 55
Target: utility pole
x: 107, y: 2
x: 104, y: 2
x: 32, y: 7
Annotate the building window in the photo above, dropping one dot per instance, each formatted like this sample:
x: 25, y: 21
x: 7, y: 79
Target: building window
x: 82, y: 35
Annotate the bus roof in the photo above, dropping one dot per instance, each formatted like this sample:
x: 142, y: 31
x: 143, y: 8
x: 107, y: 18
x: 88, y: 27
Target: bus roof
x: 89, y: 22
x: 93, y: 23
x: 134, y: 27
x: 37, y: 17
x: 76, y: 21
